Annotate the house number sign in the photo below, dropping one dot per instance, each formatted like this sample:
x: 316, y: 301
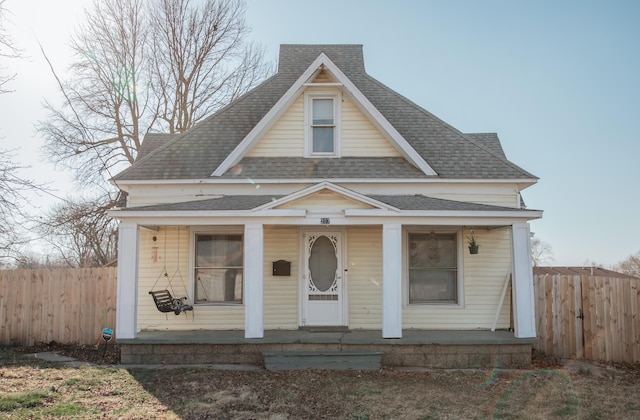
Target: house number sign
x: 325, y: 221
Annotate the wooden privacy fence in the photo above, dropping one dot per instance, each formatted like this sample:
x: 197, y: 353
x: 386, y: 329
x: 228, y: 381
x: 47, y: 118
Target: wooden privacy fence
x: 63, y: 305
x: 587, y: 317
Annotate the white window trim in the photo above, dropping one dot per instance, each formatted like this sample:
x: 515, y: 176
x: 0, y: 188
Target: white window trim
x: 405, y: 265
x: 211, y: 230
x: 308, y: 118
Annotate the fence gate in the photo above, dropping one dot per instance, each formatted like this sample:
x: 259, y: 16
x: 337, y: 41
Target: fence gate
x: 595, y: 318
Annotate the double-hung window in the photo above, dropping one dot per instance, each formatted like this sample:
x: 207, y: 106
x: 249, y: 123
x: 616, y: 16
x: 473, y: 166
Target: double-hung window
x: 218, y: 268
x: 321, y: 112
x: 433, y: 267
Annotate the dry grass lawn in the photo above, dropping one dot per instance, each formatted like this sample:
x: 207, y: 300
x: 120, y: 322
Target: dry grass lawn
x: 32, y: 389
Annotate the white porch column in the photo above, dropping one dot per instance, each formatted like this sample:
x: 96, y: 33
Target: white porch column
x: 524, y: 314
x: 127, y: 289
x: 392, y: 281
x: 253, y: 281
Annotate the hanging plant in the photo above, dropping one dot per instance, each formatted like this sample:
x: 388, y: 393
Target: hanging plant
x: 473, y: 244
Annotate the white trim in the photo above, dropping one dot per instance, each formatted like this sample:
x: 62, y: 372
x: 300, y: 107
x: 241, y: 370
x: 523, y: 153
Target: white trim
x: 524, y: 316
x: 315, y: 219
x: 524, y: 319
x: 127, y: 283
x: 290, y: 96
x: 308, y: 123
x: 381, y: 122
x: 391, y: 281
x: 326, y: 185
x: 331, y: 84
x: 253, y: 281
x: 459, y: 232
x: 270, y: 118
x: 151, y: 217
x: 229, y: 228
x: 344, y: 295
x: 529, y: 181
x: 528, y: 214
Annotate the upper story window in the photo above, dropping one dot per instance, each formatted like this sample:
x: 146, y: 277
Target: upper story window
x: 322, y: 120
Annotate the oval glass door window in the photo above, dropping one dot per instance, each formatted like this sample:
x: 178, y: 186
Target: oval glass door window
x: 323, y: 263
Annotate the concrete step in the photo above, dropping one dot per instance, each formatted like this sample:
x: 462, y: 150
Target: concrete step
x: 325, y: 360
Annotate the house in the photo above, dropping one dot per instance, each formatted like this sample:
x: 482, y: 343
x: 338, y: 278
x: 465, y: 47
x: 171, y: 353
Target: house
x: 322, y: 199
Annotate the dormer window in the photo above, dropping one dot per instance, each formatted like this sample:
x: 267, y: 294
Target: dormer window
x: 322, y: 118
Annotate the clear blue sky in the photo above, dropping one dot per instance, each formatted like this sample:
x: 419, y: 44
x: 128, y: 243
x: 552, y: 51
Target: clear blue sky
x: 559, y: 81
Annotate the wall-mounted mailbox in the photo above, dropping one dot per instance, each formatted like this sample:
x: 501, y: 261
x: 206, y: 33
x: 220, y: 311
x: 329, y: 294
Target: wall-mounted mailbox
x: 281, y: 268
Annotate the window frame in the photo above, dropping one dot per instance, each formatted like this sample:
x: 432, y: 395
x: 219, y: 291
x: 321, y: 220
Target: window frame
x: 221, y: 230
x: 459, y: 303
x: 308, y: 122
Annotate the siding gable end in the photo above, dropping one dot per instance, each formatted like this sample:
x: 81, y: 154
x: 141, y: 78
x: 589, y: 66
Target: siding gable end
x: 323, y: 63
x: 359, y: 136
x: 326, y: 195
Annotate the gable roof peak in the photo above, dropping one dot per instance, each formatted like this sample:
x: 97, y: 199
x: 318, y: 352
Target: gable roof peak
x: 296, y: 58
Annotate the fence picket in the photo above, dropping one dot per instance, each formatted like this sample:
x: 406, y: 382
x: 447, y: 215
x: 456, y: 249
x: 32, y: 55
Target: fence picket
x: 610, y: 329
x: 62, y: 305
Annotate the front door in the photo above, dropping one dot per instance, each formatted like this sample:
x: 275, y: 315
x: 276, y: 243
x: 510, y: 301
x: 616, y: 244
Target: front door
x: 322, y: 281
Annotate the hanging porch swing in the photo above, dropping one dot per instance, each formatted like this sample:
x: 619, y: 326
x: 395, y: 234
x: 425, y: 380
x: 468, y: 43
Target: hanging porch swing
x: 164, y: 299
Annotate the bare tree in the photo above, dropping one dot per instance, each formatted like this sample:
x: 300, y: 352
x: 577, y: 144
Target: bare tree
x: 8, y: 49
x: 145, y: 66
x: 139, y: 66
x: 12, y: 215
x: 105, y: 111
x: 12, y: 186
x: 200, y: 62
x: 541, y: 252
x: 630, y: 265
x: 82, y: 233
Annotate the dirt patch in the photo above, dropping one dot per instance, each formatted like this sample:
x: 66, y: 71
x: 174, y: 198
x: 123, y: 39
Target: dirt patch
x: 31, y: 388
x: 104, y: 354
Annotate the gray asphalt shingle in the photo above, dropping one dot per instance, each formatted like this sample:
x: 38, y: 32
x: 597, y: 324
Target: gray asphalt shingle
x: 196, y: 153
x: 248, y: 202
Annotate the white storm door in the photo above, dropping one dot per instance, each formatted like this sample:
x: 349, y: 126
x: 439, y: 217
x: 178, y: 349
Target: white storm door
x: 322, y: 282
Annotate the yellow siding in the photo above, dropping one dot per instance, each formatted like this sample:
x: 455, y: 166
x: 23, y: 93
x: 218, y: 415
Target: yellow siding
x: 364, y: 262
x: 174, y: 256
x: 162, y: 199
x: 504, y: 200
x: 359, y: 137
x: 510, y: 200
x: 286, y: 137
x: 324, y: 200
x: 281, y: 292
x: 322, y: 77
x: 484, y: 276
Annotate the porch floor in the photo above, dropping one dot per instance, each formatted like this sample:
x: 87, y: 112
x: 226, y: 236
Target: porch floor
x: 432, y: 349
x: 351, y: 337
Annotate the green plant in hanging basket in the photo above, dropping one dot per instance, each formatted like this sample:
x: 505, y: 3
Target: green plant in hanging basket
x: 473, y: 244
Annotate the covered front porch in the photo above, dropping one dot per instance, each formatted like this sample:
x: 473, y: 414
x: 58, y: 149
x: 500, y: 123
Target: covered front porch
x: 416, y: 348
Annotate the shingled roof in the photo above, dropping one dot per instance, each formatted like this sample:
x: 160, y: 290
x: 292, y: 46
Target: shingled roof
x: 249, y: 202
x: 196, y: 153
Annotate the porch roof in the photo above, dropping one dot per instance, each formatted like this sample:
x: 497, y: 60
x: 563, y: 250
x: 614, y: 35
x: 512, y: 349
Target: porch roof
x: 249, y: 202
